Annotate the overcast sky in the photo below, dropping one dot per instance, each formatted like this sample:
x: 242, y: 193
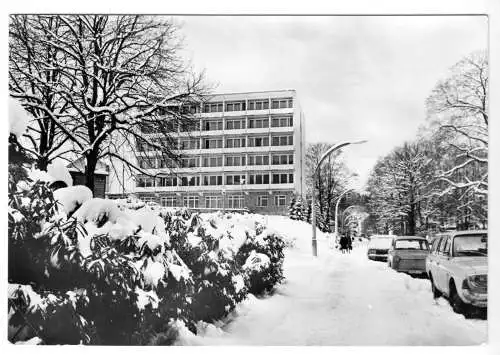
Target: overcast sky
x: 356, y: 77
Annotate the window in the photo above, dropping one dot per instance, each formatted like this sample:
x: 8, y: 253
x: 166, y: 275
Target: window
x: 235, y: 142
x: 235, y: 106
x: 282, y: 178
x: 258, y: 141
x: 235, y: 179
x: 443, y: 245
x: 212, y: 161
x: 235, y: 161
x: 166, y: 163
x: 190, y: 162
x: 190, y: 181
x: 189, y: 144
x: 258, y: 104
x: 258, y: 179
x: 471, y: 245
x: 262, y: 201
x: 191, y: 201
x: 258, y: 122
x: 258, y: 159
x: 147, y: 199
x: 282, y: 159
x: 280, y: 200
x: 167, y: 181
x: 282, y: 103
x: 235, y: 124
x: 212, y: 180
x: 213, y: 107
x: 213, y: 202
x: 145, y: 181
x: 168, y: 202
x: 282, y: 140
x: 286, y: 121
x: 190, y: 125
x: 214, y: 143
x: 212, y: 125
x: 235, y: 201
x: 147, y: 162
x: 411, y: 244
x: 435, y: 244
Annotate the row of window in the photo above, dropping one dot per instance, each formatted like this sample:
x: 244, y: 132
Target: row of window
x: 232, y: 201
x: 214, y: 180
x: 253, y: 122
x: 215, y: 161
x: 238, y: 142
x: 241, y: 105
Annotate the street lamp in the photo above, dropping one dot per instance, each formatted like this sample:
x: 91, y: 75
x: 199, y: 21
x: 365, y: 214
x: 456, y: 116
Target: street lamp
x: 323, y: 157
x: 337, y: 210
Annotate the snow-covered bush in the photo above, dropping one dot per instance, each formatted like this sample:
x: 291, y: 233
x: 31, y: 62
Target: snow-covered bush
x: 262, y: 259
x: 218, y: 281
x: 113, y: 275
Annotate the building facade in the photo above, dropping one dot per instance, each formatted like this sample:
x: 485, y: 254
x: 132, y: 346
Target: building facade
x: 246, y: 152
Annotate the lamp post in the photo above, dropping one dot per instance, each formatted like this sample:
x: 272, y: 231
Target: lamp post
x: 323, y: 157
x: 337, y: 210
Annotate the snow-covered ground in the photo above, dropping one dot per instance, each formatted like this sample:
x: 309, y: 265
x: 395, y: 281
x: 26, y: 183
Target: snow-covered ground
x: 341, y: 299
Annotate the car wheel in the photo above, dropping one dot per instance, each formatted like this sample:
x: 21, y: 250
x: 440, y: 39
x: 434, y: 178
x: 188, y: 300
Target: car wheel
x: 435, y: 292
x: 456, y: 302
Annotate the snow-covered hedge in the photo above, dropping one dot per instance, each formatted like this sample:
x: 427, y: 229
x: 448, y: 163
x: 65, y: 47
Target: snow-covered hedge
x: 94, y: 271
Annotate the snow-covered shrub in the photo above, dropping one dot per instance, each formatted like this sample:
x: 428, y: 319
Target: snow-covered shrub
x: 262, y: 259
x: 217, y: 279
x: 296, y: 210
x: 113, y: 275
x: 72, y: 197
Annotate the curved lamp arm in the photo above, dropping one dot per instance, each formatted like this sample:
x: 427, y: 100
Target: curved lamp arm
x: 332, y: 149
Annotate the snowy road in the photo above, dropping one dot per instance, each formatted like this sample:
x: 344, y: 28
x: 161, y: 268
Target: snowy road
x: 343, y: 299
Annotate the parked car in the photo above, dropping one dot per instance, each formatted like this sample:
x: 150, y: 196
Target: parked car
x: 457, y: 266
x: 408, y: 254
x: 378, y: 247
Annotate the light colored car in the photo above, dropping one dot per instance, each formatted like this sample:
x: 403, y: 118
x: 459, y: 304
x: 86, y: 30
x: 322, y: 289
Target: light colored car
x: 378, y: 247
x: 408, y: 254
x: 457, y: 266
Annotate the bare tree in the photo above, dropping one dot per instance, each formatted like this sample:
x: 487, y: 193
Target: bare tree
x: 398, y: 188
x: 35, y: 81
x: 458, y: 107
x: 120, y: 77
x: 329, y: 181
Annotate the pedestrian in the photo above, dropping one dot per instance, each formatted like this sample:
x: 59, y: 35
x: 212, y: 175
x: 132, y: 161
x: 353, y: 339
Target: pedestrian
x: 349, y: 244
x: 343, y: 244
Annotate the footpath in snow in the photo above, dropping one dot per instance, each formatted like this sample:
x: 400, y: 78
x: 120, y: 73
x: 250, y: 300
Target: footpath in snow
x: 341, y: 299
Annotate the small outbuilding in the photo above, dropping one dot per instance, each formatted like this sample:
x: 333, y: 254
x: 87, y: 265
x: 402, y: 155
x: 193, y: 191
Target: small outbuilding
x: 101, y: 176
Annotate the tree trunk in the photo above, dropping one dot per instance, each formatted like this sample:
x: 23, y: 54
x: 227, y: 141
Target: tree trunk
x: 90, y: 170
x: 42, y: 163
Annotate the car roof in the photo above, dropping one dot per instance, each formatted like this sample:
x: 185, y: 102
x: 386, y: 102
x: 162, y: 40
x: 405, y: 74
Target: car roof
x: 409, y: 237
x: 466, y: 232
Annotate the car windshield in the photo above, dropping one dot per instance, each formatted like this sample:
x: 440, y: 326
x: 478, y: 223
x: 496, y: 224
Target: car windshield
x: 411, y: 244
x: 470, y: 245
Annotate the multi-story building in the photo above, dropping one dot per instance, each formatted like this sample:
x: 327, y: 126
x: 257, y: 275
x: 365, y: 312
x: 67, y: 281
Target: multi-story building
x: 247, y: 151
